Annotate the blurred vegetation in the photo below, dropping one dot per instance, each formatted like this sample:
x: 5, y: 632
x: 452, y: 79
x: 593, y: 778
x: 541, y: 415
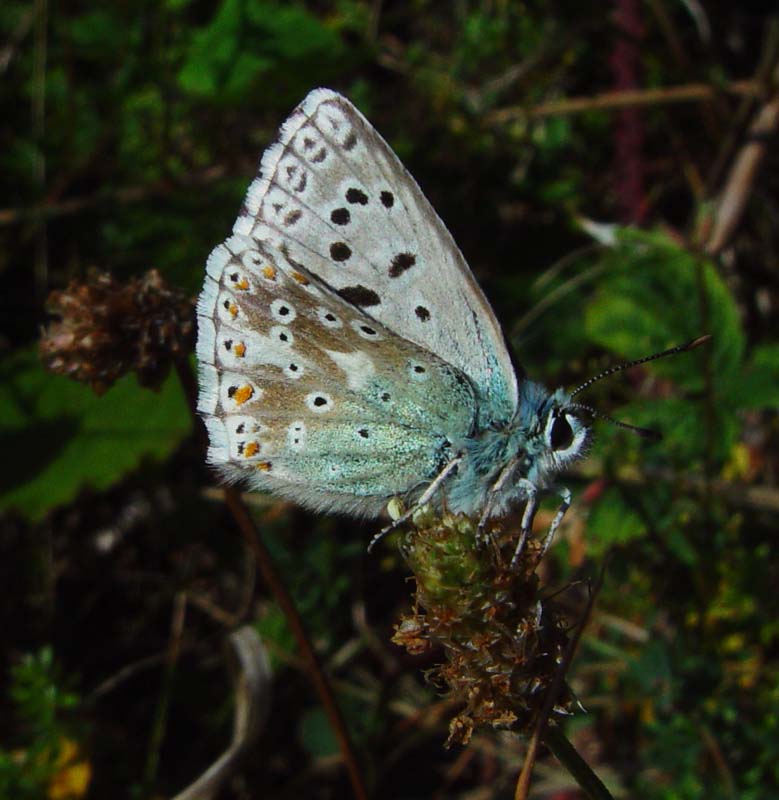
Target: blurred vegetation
x: 130, y: 134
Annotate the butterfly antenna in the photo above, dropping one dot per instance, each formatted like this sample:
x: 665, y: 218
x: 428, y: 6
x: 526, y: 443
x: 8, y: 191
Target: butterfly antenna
x: 681, y: 348
x: 644, y: 433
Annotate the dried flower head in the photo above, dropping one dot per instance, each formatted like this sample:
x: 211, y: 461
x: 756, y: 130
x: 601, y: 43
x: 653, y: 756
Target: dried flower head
x: 107, y: 328
x: 503, y: 644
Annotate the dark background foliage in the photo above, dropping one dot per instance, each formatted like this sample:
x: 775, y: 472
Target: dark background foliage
x: 130, y: 132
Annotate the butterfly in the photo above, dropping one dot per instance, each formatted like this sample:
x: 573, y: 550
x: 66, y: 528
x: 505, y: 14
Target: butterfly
x: 347, y: 355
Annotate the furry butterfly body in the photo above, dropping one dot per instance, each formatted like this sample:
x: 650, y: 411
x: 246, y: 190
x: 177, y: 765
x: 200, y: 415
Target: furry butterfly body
x: 347, y: 354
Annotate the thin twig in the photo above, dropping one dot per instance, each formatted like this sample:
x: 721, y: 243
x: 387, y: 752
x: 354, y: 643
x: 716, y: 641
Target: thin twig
x: 40, y: 52
x: 523, y: 784
x: 728, y: 782
x: 163, y: 703
x: 673, y: 38
x: 668, y: 26
x: 124, y: 674
x: 756, y: 498
x: 276, y: 586
x: 687, y: 93
x: 9, y: 50
x: 554, y: 296
x: 739, y: 118
x: 252, y: 679
x: 738, y: 187
x: 124, y: 194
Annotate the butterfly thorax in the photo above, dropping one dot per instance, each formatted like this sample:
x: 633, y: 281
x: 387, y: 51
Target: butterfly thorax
x: 539, y: 441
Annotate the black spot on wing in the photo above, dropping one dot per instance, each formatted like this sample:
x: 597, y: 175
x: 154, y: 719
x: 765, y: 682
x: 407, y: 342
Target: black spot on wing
x: 354, y: 196
x: 340, y: 216
x: 422, y: 313
x: 360, y: 296
x: 387, y: 199
x: 400, y: 263
x: 340, y: 251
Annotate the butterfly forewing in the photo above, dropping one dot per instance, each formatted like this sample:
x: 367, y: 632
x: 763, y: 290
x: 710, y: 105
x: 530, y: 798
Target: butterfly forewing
x: 308, y: 396
x: 336, y: 200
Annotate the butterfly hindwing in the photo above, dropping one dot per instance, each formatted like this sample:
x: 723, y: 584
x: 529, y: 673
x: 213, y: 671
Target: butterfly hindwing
x: 336, y: 200
x: 308, y: 396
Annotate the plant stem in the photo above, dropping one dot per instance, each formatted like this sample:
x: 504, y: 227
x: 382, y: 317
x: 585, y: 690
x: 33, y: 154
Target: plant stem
x: 566, y: 754
x: 279, y: 591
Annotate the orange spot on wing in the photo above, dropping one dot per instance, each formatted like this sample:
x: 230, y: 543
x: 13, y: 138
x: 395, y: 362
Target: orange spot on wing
x: 269, y: 271
x: 251, y: 449
x: 242, y: 284
x: 243, y: 394
x: 233, y: 309
x: 240, y: 349
x: 301, y: 279
x: 264, y: 466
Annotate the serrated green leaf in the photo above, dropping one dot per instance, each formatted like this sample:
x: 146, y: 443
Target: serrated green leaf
x: 60, y: 437
x: 655, y: 294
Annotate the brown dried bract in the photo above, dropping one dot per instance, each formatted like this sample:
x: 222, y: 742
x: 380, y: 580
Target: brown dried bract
x: 503, y: 643
x: 107, y: 328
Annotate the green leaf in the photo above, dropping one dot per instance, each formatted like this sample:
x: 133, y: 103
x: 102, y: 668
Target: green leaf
x: 97, y: 33
x: 655, y: 294
x: 758, y: 386
x: 247, y: 39
x: 613, y: 522
x: 59, y: 437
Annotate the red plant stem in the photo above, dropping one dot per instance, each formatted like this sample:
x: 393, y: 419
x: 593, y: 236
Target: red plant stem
x: 277, y: 587
x: 628, y: 135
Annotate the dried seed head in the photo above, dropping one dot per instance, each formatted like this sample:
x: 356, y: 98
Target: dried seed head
x: 502, y: 644
x: 107, y: 328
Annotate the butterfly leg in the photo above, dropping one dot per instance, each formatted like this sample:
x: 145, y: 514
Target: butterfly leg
x: 527, y: 518
x: 565, y: 494
x: 423, y: 498
x: 492, y: 494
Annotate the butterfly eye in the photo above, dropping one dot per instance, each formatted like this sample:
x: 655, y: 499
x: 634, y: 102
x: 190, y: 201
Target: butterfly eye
x: 561, y: 435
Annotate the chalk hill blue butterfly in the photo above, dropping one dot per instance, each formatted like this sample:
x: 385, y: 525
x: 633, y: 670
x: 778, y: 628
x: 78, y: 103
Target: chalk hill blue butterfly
x: 348, y: 356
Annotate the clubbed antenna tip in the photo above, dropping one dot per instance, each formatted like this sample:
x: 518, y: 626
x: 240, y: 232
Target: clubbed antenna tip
x: 696, y: 342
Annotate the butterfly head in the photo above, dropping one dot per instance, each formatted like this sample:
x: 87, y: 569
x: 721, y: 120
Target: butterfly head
x: 566, y: 435
x: 562, y: 437
x: 546, y: 434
